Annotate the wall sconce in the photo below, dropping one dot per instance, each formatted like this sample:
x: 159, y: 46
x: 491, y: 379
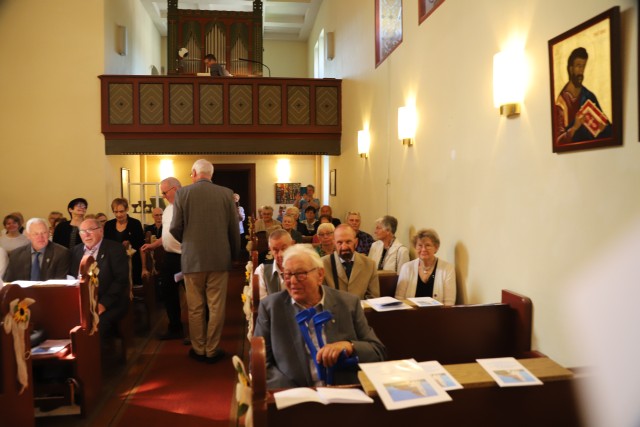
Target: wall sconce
x: 121, y: 40
x: 407, y: 123
x: 166, y: 168
x: 364, y: 142
x: 283, y: 170
x: 509, y: 81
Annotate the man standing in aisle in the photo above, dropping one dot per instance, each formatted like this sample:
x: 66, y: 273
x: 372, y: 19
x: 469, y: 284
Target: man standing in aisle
x: 205, y: 221
x: 172, y: 261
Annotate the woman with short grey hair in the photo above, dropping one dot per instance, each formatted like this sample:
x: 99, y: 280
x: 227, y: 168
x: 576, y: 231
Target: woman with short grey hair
x: 387, y: 252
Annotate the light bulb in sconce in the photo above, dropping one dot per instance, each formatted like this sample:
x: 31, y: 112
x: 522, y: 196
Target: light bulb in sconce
x: 509, y: 81
x: 283, y: 170
x: 407, y: 124
x: 364, y: 143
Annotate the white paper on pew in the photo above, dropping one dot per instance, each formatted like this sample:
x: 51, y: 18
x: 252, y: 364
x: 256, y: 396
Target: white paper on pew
x: 508, y: 372
x: 403, y: 384
x: 425, y: 301
x: 324, y: 395
x: 25, y: 283
x: 440, y: 375
x: 61, y: 282
x: 387, y: 304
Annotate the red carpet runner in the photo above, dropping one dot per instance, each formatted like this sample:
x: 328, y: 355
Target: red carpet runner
x: 178, y: 391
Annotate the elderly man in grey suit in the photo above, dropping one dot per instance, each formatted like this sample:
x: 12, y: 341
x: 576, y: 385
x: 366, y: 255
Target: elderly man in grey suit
x: 289, y: 363
x: 41, y: 260
x: 205, y: 221
x: 349, y: 270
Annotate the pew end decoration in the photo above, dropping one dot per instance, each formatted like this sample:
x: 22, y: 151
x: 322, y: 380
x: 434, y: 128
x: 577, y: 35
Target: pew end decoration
x: 243, y: 392
x: 16, y: 322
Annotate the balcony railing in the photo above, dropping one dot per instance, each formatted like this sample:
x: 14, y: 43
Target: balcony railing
x: 236, y: 115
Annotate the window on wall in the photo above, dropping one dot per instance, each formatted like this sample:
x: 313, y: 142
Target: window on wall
x: 318, y: 57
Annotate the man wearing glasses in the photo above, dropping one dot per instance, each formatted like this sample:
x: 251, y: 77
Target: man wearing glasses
x: 113, y: 290
x: 289, y: 362
x: 171, y: 265
x: 41, y: 260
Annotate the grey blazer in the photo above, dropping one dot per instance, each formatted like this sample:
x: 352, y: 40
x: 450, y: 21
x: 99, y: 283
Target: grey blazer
x: 205, y: 221
x: 286, y: 354
x: 364, y: 278
x: 55, y: 263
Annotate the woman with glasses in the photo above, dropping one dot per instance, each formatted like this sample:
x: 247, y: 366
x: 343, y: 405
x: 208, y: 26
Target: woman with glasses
x: 327, y: 243
x: 66, y: 233
x: 427, y: 275
x: 129, y: 232
x: 387, y: 252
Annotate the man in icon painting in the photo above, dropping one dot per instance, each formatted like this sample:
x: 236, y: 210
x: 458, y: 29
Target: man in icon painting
x: 578, y: 115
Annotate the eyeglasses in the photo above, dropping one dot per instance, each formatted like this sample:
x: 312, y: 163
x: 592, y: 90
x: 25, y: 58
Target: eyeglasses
x: 325, y: 234
x: 88, y: 231
x: 164, y: 193
x: 80, y: 205
x: 300, y: 275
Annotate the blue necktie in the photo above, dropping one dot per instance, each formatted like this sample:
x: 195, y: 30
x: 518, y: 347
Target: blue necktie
x: 35, y: 267
x: 348, y: 265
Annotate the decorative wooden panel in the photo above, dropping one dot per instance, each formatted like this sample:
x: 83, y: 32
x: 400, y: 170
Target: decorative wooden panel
x: 151, y: 104
x: 120, y: 104
x: 211, y: 105
x: 298, y: 105
x: 240, y: 105
x: 270, y: 105
x: 327, y: 106
x: 181, y: 104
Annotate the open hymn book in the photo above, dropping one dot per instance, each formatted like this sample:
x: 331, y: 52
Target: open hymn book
x: 324, y: 395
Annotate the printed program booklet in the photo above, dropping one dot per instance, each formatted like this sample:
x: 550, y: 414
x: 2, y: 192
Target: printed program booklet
x: 49, y: 348
x: 425, y: 301
x: 324, y: 395
x: 387, y: 304
x: 403, y: 384
x: 440, y: 375
x: 508, y: 372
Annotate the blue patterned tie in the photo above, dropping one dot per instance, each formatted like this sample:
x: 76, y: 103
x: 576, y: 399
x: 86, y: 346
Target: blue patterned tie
x: 35, y: 267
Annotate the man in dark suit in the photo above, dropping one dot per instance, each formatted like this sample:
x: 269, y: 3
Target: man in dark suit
x: 205, y: 221
x: 113, y: 289
x: 349, y: 270
x: 289, y: 363
x: 41, y: 260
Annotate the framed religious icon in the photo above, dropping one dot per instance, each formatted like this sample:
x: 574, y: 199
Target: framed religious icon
x: 388, y: 28
x: 586, y: 84
x: 286, y: 192
x: 426, y: 8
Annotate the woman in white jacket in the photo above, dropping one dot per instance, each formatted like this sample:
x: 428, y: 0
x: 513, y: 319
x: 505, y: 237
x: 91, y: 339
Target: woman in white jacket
x: 387, y: 252
x: 427, y: 275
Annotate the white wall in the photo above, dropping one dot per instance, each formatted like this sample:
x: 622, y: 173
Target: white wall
x: 285, y: 58
x: 510, y: 213
x: 144, y: 40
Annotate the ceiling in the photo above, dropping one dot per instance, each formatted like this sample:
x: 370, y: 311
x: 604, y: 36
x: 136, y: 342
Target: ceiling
x: 283, y: 19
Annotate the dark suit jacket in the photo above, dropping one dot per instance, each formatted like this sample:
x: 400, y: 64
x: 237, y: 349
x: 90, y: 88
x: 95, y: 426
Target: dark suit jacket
x: 55, y: 263
x: 135, y: 235
x: 364, y: 276
x: 205, y: 221
x: 113, y: 290
x: 287, y: 360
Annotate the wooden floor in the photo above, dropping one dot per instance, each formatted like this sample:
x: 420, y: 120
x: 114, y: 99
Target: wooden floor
x: 120, y: 380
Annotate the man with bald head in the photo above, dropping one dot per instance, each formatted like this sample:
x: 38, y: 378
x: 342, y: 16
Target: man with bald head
x: 205, y: 221
x: 41, y: 260
x: 113, y: 291
x: 349, y: 270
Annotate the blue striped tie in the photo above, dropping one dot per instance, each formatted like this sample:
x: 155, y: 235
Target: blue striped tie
x: 35, y: 267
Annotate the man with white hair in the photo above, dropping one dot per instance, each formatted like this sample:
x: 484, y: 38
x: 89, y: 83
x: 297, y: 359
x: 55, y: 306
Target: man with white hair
x: 205, y: 221
x: 270, y: 273
x: 289, y: 363
x: 42, y: 259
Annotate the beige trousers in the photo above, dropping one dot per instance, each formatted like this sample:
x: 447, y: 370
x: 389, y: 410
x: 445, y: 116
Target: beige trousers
x: 210, y: 288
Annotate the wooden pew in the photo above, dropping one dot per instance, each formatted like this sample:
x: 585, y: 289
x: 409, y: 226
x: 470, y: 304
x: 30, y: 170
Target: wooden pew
x: 64, y: 312
x: 15, y: 409
x: 483, y: 404
x: 457, y: 334
x: 388, y: 282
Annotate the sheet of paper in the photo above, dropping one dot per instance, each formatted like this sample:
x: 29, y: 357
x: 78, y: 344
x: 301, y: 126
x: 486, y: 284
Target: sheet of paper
x: 295, y: 396
x: 403, y: 384
x: 508, y: 372
x: 440, y: 375
x: 25, y: 283
x: 343, y: 395
x: 424, y: 301
x: 387, y: 304
x: 61, y: 282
